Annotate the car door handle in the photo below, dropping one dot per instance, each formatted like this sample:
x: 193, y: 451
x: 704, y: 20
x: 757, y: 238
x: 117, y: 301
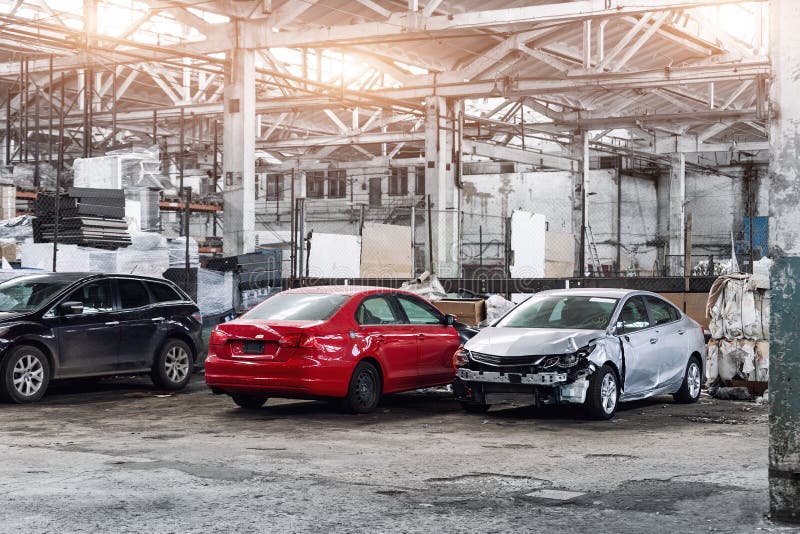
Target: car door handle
x: 380, y: 339
x: 653, y: 341
x: 421, y: 336
x: 112, y: 323
x: 681, y: 332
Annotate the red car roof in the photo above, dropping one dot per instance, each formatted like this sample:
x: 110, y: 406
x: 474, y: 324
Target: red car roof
x: 342, y: 290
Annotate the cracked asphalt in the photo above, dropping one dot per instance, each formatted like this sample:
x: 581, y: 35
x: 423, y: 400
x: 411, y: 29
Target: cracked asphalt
x: 118, y: 456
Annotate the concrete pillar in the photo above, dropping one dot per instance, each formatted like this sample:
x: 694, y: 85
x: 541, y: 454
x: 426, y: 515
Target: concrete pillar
x: 677, y: 214
x: 238, y: 165
x: 784, y: 236
x: 440, y: 126
x: 580, y: 152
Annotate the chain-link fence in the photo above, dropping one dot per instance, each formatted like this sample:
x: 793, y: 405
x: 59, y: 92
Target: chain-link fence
x: 361, y: 225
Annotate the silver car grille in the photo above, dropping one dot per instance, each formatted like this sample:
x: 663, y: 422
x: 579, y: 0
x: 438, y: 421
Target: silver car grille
x: 505, y: 361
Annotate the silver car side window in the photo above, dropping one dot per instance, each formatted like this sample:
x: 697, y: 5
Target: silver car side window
x: 661, y: 312
x: 633, y: 316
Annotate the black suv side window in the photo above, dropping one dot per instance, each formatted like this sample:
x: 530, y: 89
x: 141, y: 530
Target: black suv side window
x: 132, y: 294
x: 97, y: 296
x: 163, y: 293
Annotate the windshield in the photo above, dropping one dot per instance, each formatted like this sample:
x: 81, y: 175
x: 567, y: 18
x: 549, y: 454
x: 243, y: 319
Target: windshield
x: 298, y: 307
x: 28, y: 294
x: 561, y: 311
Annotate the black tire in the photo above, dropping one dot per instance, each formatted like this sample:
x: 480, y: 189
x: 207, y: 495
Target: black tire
x: 172, y: 368
x: 25, y: 375
x: 692, y: 383
x: 475, y: 407
x: 603, y: 395
x: 249, y: 402
x: 364, y: 391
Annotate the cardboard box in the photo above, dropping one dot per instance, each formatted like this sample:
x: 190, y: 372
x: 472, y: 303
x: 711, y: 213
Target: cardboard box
x: 468, y: 311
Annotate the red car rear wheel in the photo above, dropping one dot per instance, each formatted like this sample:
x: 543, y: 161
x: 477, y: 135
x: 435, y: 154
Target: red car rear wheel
x: 364, y: 392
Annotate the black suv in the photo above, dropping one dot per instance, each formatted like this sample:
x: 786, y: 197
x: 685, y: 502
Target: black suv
x: 71, y: 325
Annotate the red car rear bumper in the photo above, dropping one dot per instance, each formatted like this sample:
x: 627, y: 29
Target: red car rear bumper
x: 300, y: 376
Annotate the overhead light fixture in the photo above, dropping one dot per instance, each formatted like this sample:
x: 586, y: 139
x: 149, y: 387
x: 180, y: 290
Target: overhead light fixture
x: 495, y: 92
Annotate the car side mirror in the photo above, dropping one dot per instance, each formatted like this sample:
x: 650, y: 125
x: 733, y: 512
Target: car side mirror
x: 71, y: 307
x: 450, y: 319
x: 619, y: 328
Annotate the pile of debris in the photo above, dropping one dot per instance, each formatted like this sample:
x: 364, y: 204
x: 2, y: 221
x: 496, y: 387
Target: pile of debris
x: 738, y: 352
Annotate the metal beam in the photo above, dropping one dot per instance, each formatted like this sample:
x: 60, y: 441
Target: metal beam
x: 516, y: 154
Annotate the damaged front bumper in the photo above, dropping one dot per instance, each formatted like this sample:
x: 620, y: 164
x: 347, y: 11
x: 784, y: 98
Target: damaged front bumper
x: 495, y: 387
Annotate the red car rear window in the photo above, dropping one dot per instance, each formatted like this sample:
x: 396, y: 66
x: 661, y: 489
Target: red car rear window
x: 298, y: 307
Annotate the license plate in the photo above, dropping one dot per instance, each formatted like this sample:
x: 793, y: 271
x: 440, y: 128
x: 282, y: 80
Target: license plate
x: 253, y: 347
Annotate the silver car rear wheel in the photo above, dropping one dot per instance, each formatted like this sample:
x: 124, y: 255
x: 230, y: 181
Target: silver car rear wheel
x: 692, y: 383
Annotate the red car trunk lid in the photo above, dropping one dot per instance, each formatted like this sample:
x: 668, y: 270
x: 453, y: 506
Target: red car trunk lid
x: 258, y: 341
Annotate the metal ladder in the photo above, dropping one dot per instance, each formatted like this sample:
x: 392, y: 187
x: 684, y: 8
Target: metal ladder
x: 593, y: 251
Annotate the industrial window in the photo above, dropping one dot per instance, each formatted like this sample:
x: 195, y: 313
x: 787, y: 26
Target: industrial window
x: 337, y: 183
x: 398, y: 181
x: 315, y: 184
x: 419, y: 180
x: 274, y: 187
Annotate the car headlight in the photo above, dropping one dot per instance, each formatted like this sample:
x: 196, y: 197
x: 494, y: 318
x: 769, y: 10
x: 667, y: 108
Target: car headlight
x: 571, y: 360
x: 461, y: 357
x: 550, y: 361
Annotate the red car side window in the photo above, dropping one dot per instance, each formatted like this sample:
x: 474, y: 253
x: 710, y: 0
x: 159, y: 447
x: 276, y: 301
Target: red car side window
x: 376, y: 310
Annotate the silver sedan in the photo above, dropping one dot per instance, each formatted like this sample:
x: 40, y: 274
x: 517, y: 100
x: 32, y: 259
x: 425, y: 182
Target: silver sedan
x: 595, y: 347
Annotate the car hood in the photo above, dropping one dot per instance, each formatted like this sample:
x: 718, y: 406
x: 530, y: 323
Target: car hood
x: 530, y: 341
x: 9, y: 316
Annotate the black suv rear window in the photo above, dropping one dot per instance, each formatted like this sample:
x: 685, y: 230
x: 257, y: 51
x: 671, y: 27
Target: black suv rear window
x: 163, y: 293
x: 132, y: 294
x: 298, y: 307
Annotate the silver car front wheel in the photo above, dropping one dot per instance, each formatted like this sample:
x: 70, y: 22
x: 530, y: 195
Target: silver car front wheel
x: 603, y: 394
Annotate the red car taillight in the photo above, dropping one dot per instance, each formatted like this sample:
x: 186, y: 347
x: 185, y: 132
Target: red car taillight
x: 218, y: 337
x: 294, y: 341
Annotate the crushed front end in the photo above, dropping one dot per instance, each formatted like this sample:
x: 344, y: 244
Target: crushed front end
x: 484, y: 379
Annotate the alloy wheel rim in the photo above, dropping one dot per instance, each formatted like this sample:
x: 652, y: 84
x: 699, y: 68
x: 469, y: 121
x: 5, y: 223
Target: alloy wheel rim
x: 176, y: 364
x: 28, y: 375
x: 693, y: 379
x: 608, y: 393
x: 365, y: 388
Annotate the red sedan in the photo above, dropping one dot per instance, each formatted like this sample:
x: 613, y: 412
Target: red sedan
x: 352, y: 343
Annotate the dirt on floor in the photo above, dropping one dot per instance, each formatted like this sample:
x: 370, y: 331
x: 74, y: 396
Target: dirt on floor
x: 119, y: 456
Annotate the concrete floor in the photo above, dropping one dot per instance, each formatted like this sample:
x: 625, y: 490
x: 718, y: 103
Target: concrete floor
x: 120, y: 457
